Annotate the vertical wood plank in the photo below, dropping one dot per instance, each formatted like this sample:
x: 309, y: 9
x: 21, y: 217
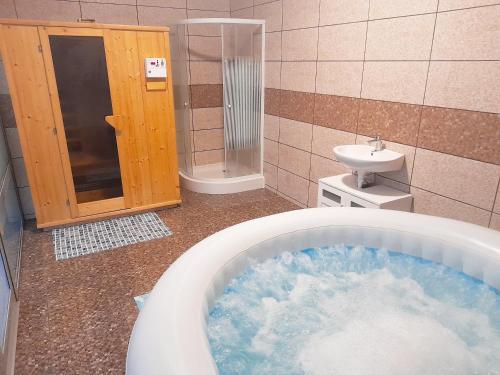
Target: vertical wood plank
x: 158, y: 116
x: 58, y: 119
x: 24, y: 66
x: 126, y: 97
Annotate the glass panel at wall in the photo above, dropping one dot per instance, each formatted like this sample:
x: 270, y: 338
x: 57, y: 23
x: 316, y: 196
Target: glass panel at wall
x: 82, y: 83
x: 11, y: 223
x: 242, y: 67
x: 5, y: 292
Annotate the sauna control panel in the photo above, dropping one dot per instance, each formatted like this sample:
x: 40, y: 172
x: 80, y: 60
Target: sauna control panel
x: 155, y: 67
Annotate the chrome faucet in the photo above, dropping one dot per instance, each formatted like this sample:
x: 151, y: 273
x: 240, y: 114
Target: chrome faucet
x: 379, y: 146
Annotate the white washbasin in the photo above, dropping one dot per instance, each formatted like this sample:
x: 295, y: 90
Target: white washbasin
x: 363, y: 158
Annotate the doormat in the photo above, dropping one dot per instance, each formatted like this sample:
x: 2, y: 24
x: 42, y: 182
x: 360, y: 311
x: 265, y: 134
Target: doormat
x: 104, y: 235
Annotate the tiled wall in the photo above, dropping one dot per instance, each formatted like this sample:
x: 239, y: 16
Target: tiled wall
x: 142, y: 12
x: 424, y: 75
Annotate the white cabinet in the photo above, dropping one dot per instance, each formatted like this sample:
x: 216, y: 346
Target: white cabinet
x: 342, y: 191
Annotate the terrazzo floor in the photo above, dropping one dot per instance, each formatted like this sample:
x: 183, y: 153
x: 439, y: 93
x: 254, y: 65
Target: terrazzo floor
x: 76, y: 315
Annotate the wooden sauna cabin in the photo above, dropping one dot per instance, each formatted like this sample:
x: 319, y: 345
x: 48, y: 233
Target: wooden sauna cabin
x: 94, y: 109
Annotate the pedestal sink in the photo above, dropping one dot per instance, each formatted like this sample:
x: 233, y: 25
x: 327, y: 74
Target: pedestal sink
x: 366, y: 160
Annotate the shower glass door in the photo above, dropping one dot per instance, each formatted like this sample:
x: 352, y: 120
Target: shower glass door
x: 242, y: 86
x: 80, y: 70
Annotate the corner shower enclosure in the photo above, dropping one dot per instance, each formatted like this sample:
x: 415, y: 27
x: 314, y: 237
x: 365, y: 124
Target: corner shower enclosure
x: 218, y: 75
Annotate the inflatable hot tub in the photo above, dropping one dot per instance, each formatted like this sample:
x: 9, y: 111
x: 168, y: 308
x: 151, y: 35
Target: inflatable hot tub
x: 169, y: 336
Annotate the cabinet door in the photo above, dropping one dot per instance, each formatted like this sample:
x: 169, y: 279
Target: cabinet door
x: 24, y: 67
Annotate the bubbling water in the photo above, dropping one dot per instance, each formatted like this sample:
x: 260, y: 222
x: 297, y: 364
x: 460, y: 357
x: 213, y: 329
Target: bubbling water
x: 343, y: 310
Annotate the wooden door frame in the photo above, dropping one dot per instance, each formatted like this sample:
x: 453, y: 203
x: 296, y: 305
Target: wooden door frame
x: 76, y: 209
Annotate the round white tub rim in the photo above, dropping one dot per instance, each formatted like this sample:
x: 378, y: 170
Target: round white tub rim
x: 169, y: 336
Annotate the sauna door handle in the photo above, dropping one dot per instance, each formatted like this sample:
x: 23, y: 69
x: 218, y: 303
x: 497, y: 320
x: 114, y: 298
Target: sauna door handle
x: 114, y: 121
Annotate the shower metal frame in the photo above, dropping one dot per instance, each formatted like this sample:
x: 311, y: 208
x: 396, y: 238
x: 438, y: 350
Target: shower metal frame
x: 240, y: 21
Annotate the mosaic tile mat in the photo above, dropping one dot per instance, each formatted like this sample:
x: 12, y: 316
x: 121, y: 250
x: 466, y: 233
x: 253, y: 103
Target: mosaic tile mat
x: 104, y: 235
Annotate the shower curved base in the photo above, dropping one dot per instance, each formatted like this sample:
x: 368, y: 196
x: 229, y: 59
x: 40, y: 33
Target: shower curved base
x: 221, y: 185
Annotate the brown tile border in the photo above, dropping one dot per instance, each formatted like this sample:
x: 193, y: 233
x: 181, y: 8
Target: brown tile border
x: 205, y: 96
x: 395, y: 122
x: 272, y: 102
x: 298, y: 106
x: 474, y: 135
x: 337, y: 112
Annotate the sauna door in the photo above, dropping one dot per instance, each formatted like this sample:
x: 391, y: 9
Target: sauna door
x: 91, y: 139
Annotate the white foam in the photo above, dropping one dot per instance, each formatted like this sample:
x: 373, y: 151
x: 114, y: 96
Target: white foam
x: 369, y: 322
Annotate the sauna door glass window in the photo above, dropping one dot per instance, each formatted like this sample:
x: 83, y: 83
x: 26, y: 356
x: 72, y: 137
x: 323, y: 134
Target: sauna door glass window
x: 83, y: 88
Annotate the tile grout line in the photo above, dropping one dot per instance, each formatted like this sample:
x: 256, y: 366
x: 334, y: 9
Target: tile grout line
x: 494, y: 202
x: 423, y: 97
x: 362, y: 76
x: 314, y: 103
x: 279, y: 108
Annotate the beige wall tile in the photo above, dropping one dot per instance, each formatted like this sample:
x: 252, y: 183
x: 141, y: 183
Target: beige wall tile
x: 342, y: 42
x: 293, y: 186
x: 298, y: 76
x: 271, y: 12
x: 339, y: 78
x: 243, y: 13
x: 206, y: 29
x: 239, y: 4
x: 128, y: 2
x: 325, y: 139
x: 205, y: 48
x: 300, y: 13
x: 300, y: 44
x: 208, y: 139
x: 159, y: 16
x: 404, y: 174
x: 469, y: 85
x: 110, y: 13
x: 427, y: 203
x: 405, y: 38
x: 158, y: 3
x: 391, y: 183
x: 205, y: 72
x: 49, y: 10
x: 209, y: 157
x: 26, y: 202
x: 396, y: 81
x: 273, y: 74
x: 270, y: 151
x: 295, y: 133
x: 342, y: 11
x: 469, y: 181
x: 294, y: 160
x: 495, y: 222
x: 469, y: 34
x: 313, y: 195
x: 20, y: 172
x: 459, y: 4
x: 208, y: 118
x: 496, y: 208
x: 271, y: 127
x: 209, y: 5
x: 323, y: 167
x: 273, y: 46
x: 13, y: 142
x: 7, y: 9
x: 395, y: 8
x: 271, y: 175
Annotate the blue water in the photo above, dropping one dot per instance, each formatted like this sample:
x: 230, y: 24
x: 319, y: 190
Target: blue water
x: 344, y: 310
